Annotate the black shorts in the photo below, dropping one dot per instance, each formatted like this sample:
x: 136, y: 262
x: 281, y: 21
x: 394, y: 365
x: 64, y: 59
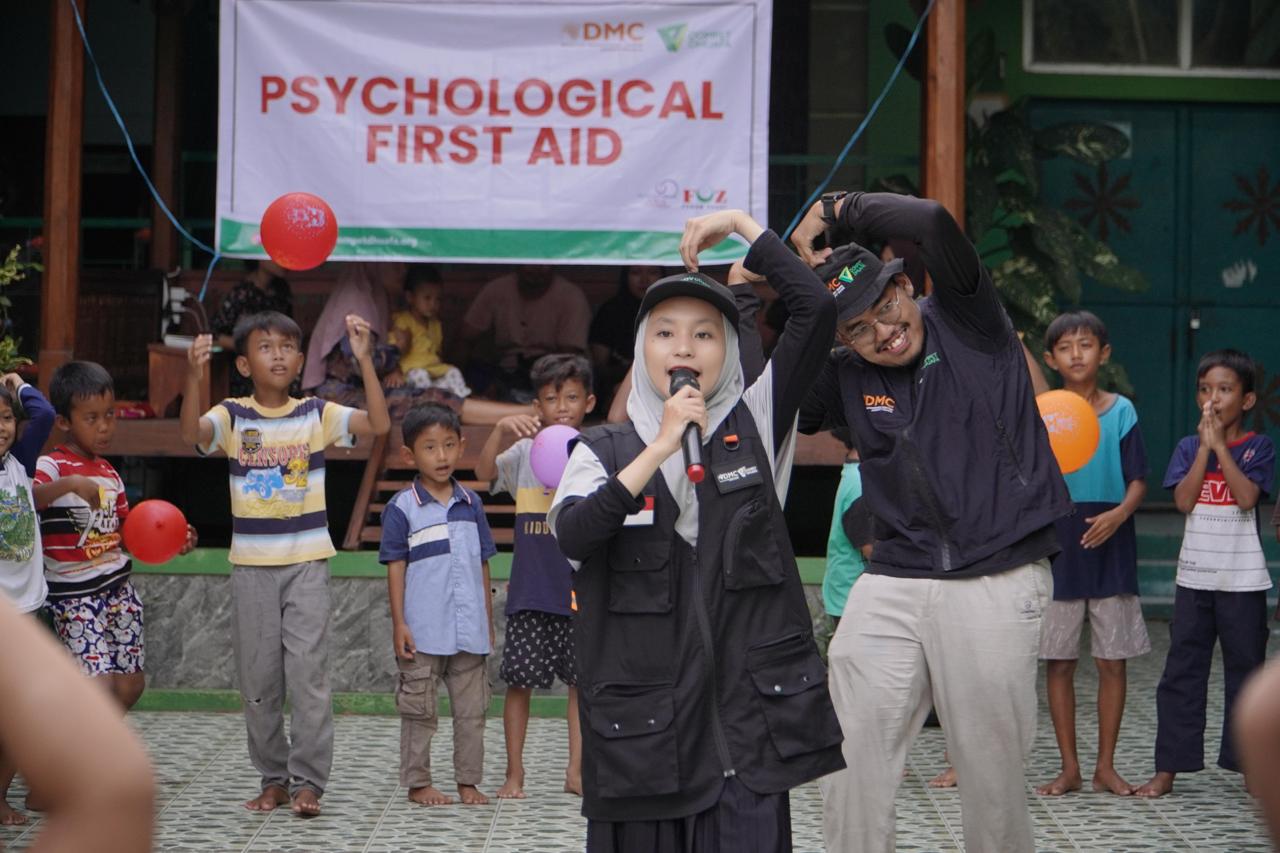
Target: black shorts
x: 537, y: 649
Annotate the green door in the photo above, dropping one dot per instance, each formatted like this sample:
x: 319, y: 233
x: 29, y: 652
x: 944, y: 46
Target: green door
x: 1195, y: 205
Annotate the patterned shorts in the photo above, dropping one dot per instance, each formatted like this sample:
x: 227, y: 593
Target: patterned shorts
x: 538, y: 648
x: 103, y: 630
x: 1116, y: 628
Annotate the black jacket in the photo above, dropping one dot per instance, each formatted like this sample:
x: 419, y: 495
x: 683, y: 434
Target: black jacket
x: 697, y: 664
x: 955, y: 460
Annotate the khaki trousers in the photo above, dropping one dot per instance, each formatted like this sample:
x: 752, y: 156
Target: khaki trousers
x: 967, y: 647
x: 417, y: 692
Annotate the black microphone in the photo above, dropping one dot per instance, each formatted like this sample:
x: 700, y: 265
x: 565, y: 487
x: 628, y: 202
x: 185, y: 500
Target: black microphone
x: 692, y: 441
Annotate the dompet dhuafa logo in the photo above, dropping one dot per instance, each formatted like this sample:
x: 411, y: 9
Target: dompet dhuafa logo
x: 678, y: 36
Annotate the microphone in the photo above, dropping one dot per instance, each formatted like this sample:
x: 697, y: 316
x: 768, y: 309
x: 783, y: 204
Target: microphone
x: 692, y: 441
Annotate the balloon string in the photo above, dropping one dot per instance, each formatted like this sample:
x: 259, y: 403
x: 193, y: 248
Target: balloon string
x: 133, y: 153
x: 848, y: 146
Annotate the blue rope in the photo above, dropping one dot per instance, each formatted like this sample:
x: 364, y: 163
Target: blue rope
x: 128, y: 141
x: 915, y: 36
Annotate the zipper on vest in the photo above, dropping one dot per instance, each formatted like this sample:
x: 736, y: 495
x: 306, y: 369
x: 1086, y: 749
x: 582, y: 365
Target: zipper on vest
x: 930, y: 500
x: 704, y: 626
x: 1013, y: 454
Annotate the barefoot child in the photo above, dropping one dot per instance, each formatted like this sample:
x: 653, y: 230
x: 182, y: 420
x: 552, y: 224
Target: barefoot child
x: 1218, y: 477
x: 539, y: 637
x: 436, y: 545
x: 95, y: 607
x: 280, y: 543
x: 703, y: 697
x: 21, y: 562
x: 1097, y: 570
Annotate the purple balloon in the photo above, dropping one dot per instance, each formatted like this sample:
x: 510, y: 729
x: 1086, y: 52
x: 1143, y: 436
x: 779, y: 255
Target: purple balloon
x: 550, y: 453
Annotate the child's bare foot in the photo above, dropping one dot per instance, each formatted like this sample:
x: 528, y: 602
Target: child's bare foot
x: 573, y: 783
x: 305, y: 803
x: 1107, y: 780
x: 471, y: 796
x: 271, y: 797
x: 513, y: 788
x: 429, y: 796
x: 945, y: 779
x: 1157, y: 786
x: 9, y: 816
x: 1064, y: 783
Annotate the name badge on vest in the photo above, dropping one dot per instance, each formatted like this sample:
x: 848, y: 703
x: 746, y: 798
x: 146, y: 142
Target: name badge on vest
x: 643, y: 517
x: 731, y: 477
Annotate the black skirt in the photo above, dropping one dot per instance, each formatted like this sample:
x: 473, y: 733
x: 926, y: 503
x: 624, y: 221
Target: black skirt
x: 741, y: 821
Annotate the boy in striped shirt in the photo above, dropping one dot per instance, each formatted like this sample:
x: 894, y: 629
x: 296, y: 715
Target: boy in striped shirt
x: 280, y: 543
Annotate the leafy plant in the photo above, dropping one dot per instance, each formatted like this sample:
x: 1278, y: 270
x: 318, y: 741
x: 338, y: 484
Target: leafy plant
x: 12, y: 271
x: 1038, y: 255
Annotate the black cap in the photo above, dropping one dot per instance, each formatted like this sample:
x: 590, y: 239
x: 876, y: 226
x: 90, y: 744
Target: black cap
x: 856, y: 278
x: 693, y: 284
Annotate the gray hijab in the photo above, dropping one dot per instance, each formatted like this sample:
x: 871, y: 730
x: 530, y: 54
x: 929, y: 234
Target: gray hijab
x: 645, y: 406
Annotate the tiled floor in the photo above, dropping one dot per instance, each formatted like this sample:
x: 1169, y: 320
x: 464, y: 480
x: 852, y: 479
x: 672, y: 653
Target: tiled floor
x: 203, y: 774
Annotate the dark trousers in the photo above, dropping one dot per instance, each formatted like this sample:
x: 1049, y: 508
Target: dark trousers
x: 1239, y: 621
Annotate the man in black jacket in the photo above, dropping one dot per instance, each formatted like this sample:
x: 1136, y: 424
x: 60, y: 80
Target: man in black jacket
x: 957, y: 470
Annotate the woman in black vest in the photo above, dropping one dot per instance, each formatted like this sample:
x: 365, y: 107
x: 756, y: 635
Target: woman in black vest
x: 703, y: 698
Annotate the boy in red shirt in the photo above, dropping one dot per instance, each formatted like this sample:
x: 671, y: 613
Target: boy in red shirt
x: 82, y: 505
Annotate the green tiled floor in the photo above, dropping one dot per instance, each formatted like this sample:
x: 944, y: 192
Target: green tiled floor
x: 203, y: 774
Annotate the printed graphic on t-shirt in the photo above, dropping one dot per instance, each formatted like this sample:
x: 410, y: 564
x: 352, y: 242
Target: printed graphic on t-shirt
x: 17, y: 525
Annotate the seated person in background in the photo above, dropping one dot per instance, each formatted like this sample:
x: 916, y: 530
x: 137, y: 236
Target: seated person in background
x: 366, y: 289
x: 263, y: 288
x: 612, y: 335
x: 531, y: 312
x: 417, y: 333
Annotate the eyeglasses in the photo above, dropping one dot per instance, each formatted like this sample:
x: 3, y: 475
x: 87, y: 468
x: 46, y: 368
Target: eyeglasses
x: 888, y: 314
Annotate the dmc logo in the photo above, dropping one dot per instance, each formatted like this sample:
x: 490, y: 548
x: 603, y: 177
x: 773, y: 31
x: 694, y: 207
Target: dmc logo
x: 737, y: 474
x: 879, y: 403
x: 610, y: 31
x: 693, y: 195
x: 835, y: 286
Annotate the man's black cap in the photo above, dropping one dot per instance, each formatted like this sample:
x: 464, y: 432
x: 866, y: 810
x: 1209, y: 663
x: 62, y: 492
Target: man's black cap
x: 693, y: 284
x: 856, y: 278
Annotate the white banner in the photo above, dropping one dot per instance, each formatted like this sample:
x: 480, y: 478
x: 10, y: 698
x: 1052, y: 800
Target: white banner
x: 577, y: 132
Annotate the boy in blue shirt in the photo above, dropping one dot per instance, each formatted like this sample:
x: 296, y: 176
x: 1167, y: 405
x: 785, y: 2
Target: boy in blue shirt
x: 1097, y: 569
x: 538, y: 644
x: 1219, y: 476
x: 436, y: 545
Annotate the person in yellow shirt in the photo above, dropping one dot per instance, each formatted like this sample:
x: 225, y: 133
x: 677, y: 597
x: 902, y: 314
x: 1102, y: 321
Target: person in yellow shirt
x: 419, y: 336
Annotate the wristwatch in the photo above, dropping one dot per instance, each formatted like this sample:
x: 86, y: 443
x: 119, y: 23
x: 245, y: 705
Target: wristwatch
x: 829, y: 200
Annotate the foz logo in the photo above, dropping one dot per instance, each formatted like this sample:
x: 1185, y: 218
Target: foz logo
x: 698, y: 197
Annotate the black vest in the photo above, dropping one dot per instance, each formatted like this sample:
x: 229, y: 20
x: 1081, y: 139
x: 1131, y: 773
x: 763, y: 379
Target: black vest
x: 956, y: 462
x: 698, y: 664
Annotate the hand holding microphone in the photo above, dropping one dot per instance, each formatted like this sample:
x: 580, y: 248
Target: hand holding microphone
x: 691, y: 438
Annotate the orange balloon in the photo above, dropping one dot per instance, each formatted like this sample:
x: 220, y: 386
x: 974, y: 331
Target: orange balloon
x: 1073, y: 428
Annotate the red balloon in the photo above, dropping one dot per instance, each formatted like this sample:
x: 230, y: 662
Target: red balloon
x: 155, y: 531
x: 299, y: 231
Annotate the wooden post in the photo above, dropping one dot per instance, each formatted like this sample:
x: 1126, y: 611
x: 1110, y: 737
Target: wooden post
x: 942, y: 160
x: 63, y: 143
x: 166, y: 142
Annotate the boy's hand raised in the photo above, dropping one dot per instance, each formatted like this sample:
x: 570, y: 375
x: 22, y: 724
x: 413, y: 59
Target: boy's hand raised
x: 193, y: 539
x: 1213, y: 434
x: 12, y: 381
x: 521, y: 426
x: 198, y: 354
x: 402, y: 639
x: 361, y: 337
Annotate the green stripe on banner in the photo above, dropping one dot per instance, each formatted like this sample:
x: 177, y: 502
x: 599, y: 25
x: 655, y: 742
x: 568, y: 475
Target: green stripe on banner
x: 238, y: 238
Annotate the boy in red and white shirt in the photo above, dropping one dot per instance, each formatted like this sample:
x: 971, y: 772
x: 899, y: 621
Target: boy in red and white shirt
x: 96, y: 610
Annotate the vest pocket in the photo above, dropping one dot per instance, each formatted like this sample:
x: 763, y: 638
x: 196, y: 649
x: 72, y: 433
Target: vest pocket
x: 640, y: 577
x: 791, y: 683
x: 636, y: 752
x: 751, y: 557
